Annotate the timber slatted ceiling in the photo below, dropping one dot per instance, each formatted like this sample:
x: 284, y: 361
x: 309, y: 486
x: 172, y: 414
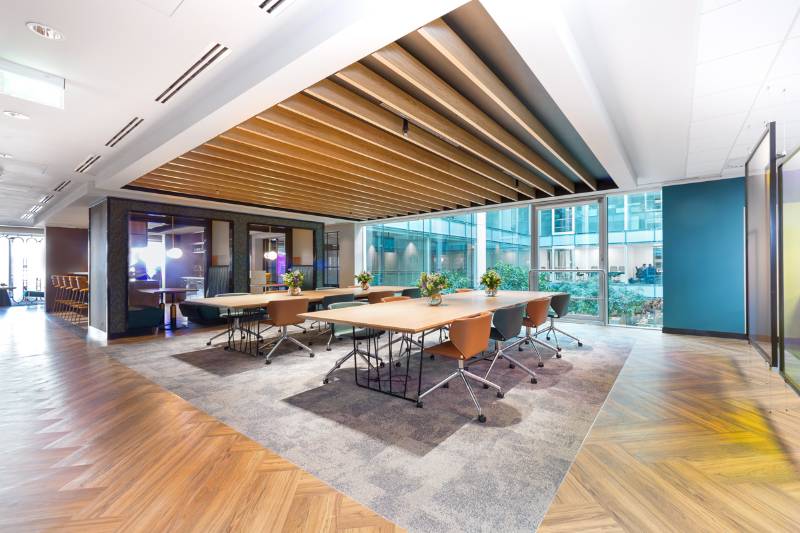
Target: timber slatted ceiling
x: 387, y: 136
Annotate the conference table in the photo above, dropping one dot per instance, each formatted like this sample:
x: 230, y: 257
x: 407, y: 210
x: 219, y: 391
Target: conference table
x: 412, y: 317
x: 245, y: 311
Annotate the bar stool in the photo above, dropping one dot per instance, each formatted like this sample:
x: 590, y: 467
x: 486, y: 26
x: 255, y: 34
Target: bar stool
x: 55, y: 282
x: 82, y: 303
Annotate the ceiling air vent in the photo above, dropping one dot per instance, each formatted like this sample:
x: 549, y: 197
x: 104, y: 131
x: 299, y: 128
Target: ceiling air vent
x: 121, y: 134
x: 63, y: 185
x: 46, y: 199
x: 214, y: 53
x: 272, y: 6
x: 91, y: 160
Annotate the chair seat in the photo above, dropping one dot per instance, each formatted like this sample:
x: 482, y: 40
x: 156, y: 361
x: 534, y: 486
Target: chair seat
x: 495, y: 335
x: 271, y: 322
x: 446, y: 349
x: 528, y: 323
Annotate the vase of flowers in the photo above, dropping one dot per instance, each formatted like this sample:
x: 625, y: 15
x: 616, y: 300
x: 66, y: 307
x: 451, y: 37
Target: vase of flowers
x: 294, y: 280
x: 431, y: 285
x: 491, y: 281
x: 364, y: 279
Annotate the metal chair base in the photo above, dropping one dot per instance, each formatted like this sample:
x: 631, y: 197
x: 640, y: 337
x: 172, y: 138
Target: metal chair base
x: 533, y: 341
x: 553, y: 329
x: 284, y: 337
x: 464, y: 373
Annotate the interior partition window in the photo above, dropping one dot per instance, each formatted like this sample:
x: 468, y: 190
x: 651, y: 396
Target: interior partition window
x: 569, y: 255
x: 790, y: 268
x: 269, y: 258
x: 397, y: 252
x: 761, y: 247
x: 635, y: 259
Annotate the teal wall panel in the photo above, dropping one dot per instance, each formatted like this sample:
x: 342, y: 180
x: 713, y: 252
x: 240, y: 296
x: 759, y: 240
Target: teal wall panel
x: 704, y: 283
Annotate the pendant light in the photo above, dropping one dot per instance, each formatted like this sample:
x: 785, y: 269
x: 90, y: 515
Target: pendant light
x: 174, y: 252
x: 270, y: 254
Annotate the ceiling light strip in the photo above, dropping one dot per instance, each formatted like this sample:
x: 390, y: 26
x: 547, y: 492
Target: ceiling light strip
x: 121, y: 134
x: 212, y: 55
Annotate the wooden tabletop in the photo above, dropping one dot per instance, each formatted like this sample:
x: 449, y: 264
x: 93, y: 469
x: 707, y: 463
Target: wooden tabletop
x: 250, y: 301
x: 416, y: 315
x: 167, y: 290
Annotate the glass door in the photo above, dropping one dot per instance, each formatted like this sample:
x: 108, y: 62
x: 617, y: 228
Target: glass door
x: 568, y: 256
x: 790, y: 269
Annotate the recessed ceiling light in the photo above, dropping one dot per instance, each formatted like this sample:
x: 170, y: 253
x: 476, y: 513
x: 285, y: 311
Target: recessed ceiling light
x: 14, y: 114
x: 43, y: 30
x: 5, y: 156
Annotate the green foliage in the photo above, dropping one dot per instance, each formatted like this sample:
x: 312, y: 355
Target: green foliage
x: 293, y: 278
x: 364, y: 277
x: 433, y: 283
x: 458, y: 280
x: 491, y: 279
x: 515, y: 278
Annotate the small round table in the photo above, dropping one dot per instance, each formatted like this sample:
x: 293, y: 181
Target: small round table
x: 173, y: 309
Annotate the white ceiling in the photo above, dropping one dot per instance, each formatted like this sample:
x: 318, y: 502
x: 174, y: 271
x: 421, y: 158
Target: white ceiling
x: 689, y: 85
x: 660, y: 91
x: 118, y: 55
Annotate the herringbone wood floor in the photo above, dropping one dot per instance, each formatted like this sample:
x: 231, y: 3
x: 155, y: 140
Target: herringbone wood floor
x: 87, y: 444
x: 696, y: 435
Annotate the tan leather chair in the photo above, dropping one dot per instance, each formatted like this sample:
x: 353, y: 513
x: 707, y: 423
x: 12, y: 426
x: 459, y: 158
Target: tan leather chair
x: 464, y: 290
x: 378, y: 296
x: 468, y: 338
x: 282, y: 314
x: 535, y: 316
x: 387, y: 299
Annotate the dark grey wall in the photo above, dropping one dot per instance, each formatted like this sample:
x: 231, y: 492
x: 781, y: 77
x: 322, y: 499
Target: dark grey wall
x: 117, y: 210
x: 66, y: 250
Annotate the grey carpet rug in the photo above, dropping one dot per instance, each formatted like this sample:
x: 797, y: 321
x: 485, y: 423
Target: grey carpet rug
x: 429, y: 470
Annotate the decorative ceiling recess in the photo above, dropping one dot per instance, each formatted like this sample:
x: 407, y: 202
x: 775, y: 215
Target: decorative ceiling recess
x: 445, y: 118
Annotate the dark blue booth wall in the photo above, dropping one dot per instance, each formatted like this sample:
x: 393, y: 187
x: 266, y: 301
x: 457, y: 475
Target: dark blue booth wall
x: 704, y: 283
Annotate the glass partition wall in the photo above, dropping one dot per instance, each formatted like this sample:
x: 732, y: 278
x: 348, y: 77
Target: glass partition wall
x: 790, y: 269
x: 607, y: 253
x: 276, y: 249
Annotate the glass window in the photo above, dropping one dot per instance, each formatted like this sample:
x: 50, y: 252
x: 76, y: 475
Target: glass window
x: 635, y: 260
x: 790, y: 259
x: 508, y: 246
x: 563, y: 219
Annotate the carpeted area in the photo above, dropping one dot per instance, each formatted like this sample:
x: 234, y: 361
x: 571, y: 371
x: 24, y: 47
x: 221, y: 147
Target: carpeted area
x: 431, y: 469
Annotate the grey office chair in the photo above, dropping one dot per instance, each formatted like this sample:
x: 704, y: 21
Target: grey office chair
x: 560, y: 306
x: 228, y: 314
x: 506, y: 326
x: 339, y: 331
x: 325, y: 304
x: 413, y: 292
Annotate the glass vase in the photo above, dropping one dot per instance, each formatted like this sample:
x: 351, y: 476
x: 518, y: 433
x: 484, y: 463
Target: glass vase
x: 435, y: 299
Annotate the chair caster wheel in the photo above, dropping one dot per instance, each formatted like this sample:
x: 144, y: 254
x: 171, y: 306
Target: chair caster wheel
x: 534, y: 381
x: 481, y: 419
x: 519, y: 349
x: 382, y: 364
x: 327, y: 349
x: 500, y: 394
x: 227, y: 348
x: 419, y: 405
x: 558, y: 348
x: 312, y: 354
x: 580, y: 343
x: 547, y: 337
x: 446, y: 386
x: 208, y: 343
x: 267, y: 362
x: 541, y: 365
x: 325, y: 381
x: 485, y: 386
x: 558, y: 355
x: 398, y: 365
x: 511, y: 365
x: 433, y: 356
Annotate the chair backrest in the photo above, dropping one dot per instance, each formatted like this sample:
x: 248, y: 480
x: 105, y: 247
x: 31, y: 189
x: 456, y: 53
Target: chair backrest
x: 464, y: 290
x: 413, y: 292
x: 327, y: 301
x: 387, y: 299
x: 83, y: 282
x: 560, y: 304
x: 508, y: 320
x: 378, y: 296
x: 471, y: 335
x: 284, y: 312
x: 339, y: 329
x: 536, y: 311
x: 233, y: 294
x: 218, y: 280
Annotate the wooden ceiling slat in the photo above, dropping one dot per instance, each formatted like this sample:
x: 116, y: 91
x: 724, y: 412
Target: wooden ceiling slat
x: 360, y: 77
x: 363, y: 189
x: 398, y: 176
x: 258, y: 175
x: 419, y: 174
x: 197, y: 182
x: 467, y: 179
x: 220, y: 176
x: 403, y: 64
x: 188, y: 187
x: 245, y: 142
x: 442, y: 38
x: 358, y: 106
